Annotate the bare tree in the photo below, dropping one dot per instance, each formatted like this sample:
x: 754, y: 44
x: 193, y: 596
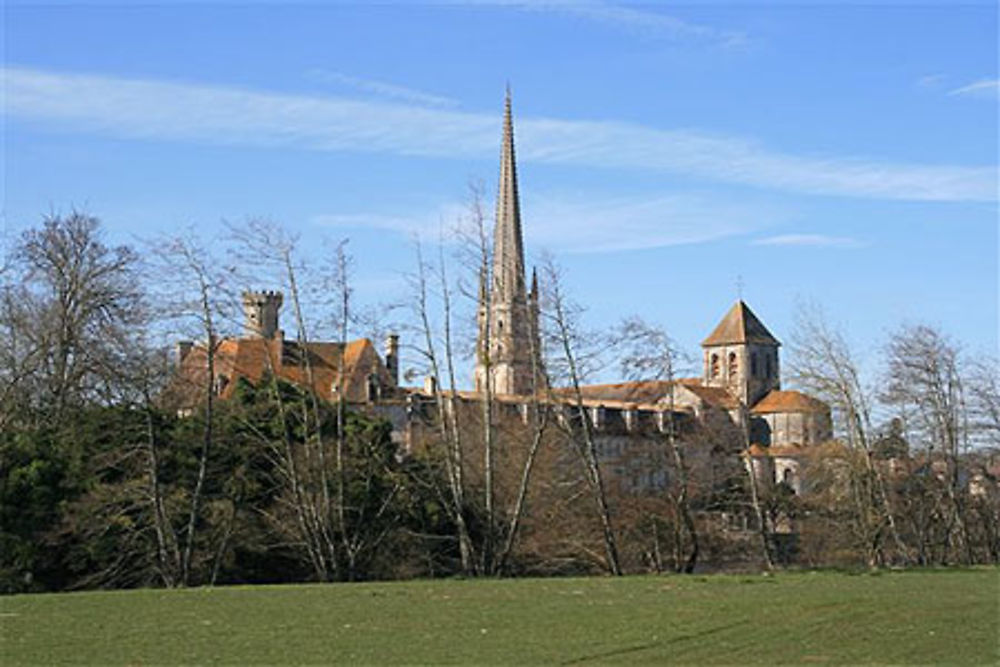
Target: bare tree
x: 70, y: 305
x: 445, y: 404
x: 341, y: 528
x: 539, y: 414
x: 924, y: 381
x: 756, y: 500
x: 561, y: 315
x: 478, y: 429
x: 823, y: 364
x: 259, y: 242
x: 475, y: 243
x: 192, y: 292
x: 650, y: 354
x: 983, y: 390
x: 148, y: 376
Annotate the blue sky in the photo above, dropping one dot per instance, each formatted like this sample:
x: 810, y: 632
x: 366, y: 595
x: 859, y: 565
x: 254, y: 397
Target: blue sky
x: 844, y: 154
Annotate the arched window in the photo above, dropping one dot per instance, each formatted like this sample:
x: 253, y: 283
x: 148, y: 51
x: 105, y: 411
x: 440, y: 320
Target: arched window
x: 769, y: 369
x: 714, y: 366
x: 753, y: 364
x: 733, y: 368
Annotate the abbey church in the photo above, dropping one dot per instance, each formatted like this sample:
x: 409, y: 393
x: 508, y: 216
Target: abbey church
x: 740, y: 379
x: 739, y: 387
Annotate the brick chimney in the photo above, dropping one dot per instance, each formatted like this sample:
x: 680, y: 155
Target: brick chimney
x: 392, y: 357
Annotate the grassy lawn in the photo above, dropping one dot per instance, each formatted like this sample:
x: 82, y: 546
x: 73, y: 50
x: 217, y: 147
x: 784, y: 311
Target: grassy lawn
x: 907, y: 617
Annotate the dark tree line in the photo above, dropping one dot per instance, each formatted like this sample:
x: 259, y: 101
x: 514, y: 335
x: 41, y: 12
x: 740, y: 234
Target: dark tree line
x: 102, y: 484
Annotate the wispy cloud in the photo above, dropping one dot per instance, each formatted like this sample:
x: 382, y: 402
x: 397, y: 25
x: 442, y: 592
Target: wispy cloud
x: 588, y: 223
x: 381, y: 88
x: 585, y: 223
x: 641, y: 21
x: 815, y: 240
x: 433, y: 224
x: 151, y: 109
x: 985, y: 88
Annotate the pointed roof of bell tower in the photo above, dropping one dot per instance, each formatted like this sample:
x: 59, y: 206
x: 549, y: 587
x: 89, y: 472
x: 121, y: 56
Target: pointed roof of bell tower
x: 508, y: 246
x: 740, y: 326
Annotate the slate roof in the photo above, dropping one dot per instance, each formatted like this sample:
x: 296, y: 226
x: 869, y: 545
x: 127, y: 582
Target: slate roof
x: 788, y: 401
x: 740, y: 325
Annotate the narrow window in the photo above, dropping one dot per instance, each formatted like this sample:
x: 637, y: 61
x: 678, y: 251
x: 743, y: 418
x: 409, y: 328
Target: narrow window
x: 788, y: 477
x: 714, y: 366
x: 733, y: 369
x: 753, y: 364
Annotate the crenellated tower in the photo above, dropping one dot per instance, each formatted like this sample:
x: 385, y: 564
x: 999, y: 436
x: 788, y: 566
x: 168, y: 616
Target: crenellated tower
x: 508, y: 313
x: 260, y: 313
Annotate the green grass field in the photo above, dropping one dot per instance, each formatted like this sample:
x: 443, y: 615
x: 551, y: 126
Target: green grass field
x: 907, y: 617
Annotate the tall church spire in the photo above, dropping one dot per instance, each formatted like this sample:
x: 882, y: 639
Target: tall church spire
x: 508, y: 245
x: 508, y: 331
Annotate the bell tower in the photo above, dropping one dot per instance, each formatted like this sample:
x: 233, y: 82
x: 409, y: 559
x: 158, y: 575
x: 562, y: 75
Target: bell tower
x: 741, y: 355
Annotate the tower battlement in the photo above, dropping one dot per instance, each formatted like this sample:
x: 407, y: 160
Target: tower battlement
x: 260, y: 312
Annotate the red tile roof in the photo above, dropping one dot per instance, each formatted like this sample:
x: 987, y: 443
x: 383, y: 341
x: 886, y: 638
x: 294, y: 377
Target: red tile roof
x: 643, y: 391
x: 648, y: 392
x: 253, y: 358
x: 788, y: 401
x: 740, y: 325
x: 717, y: 396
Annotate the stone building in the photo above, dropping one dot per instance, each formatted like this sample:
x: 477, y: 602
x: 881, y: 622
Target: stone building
x: 738, y: 397
x: 737, y: 405
x: 354, y: 369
